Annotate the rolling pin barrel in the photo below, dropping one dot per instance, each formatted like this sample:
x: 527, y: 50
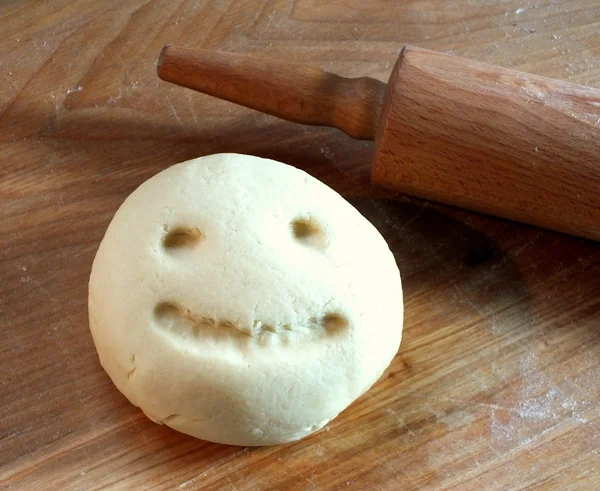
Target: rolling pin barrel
x: 498, y: 141
x: 464, y: 133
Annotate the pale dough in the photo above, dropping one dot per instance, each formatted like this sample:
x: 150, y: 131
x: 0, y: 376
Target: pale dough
x: 242, y: 301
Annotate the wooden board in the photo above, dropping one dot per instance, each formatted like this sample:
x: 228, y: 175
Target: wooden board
x: 496, y: 384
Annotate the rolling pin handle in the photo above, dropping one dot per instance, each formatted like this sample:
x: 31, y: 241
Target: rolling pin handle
x: 299, y: 93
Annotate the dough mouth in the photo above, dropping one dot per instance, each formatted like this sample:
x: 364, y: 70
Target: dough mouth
x: 177, y: 320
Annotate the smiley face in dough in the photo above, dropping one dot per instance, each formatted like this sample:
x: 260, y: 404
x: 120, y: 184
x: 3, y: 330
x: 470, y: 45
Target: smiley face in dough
x: 241, y: 301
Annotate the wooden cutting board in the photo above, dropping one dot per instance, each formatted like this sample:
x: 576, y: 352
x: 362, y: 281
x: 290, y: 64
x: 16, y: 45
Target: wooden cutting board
x: 496, y: 384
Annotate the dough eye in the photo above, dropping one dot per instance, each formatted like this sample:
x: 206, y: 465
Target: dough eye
x: 334, y: 322
x: 181, y: 238
x: 308, y: 231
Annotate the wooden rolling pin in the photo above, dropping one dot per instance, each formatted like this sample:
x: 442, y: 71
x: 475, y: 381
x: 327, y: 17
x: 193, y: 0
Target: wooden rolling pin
x: 464, y: 133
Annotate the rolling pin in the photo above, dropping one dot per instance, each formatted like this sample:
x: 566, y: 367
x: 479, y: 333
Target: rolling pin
x: 447, y: 129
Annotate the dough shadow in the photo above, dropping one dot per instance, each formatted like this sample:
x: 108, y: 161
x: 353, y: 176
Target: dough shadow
x: 104, y: 142
x: 435, y: 252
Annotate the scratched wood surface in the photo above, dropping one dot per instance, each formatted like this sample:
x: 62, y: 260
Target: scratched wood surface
x: 497, y: 382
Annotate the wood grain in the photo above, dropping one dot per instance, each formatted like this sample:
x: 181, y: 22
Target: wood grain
x: 496, y: 383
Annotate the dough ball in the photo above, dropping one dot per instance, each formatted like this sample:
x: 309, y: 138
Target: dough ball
x: 242, y: 301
